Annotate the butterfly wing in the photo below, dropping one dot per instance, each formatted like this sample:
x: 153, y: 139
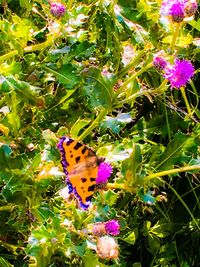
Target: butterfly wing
x: 80, y: 166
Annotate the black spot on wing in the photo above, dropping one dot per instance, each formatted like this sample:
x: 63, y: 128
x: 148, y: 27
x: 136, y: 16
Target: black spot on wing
x: 91, y: 188
x: 92, y: 179
x: 78, y: 159
x: 77, y: 146
x: 88, y: 199
x: 83, y: 180
x: 84, y: 149
x: 69, y: 141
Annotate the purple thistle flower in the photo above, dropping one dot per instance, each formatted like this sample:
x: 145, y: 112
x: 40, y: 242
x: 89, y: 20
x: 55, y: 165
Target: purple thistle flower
x: 104, y: 172
x: 112, y: 227
x: 57, y: 9
x: 177, y: 12
x: 159, y: 62
x: 179, y: 73
x: 173, y: 8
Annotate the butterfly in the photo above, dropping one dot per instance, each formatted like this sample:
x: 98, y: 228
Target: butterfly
x: 80, y: 165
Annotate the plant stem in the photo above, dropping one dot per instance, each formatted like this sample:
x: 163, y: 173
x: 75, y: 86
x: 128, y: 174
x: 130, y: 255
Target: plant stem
x: 8, y: 55
x: 131, y: 98
x: 155, y: 175
x: 95, y: 123
x: 186, y: 101
x: 132, y: 78
x: 116, y: 186
x: 69, y: 4
x: 131, y: 64
x: 184, y: 204
x: 173, y: 171
x: 175, y: 35
x: 39, y: 47
x: 167, y: 119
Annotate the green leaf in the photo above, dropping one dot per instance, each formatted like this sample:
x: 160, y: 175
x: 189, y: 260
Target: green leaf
x: 175, y: 151
x: 82, y: 50
x: 45, y: 211
x: 98, y: 89
x: 195, y: 24
x: 130, y: 238
x: 67, y: 74
x: 25, y: 4
x: 24, y: 90
x: 111, y: 197
x: 5, y: 263
x: 91, y: 260
x: 77, y: 126
x: 117, y: 123
x: 130, y: 165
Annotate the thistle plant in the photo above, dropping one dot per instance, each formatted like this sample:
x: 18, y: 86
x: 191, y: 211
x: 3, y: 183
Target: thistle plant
x: 99, y: 105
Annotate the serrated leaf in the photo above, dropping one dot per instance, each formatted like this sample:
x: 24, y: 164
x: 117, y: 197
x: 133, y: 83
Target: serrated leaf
x: 90, y: 260
x: 116, y: 123
x: 24, y: 90
x: 98, y: 89
x: 67, y: 74
x: 111, y: 197
x: 174, y: 152
x: 130, y: 238
x: 82, y: 50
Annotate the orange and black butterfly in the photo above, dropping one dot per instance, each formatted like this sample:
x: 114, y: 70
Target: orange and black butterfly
x: 80, y: 164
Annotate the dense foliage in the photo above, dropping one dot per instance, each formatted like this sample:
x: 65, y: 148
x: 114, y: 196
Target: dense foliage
x: 121, y: 77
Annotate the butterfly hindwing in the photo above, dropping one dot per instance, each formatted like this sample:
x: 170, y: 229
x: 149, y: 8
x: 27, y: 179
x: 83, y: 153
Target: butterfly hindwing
x: 81, y: 169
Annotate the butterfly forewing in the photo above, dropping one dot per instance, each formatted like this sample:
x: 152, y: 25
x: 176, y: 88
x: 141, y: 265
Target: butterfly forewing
x: 80, y: 165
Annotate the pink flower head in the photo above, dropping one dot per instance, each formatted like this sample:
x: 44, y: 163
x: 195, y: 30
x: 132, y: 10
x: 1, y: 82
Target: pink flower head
x: 104, y: 172
x: 57, y: 9
x: 159, y: 61
x: 173, y: 8
x: 112, y: 227
x: 179, y: 73
x: 177, y: 11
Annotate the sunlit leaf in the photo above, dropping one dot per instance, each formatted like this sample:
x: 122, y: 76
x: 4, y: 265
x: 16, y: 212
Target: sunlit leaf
x: 67, y: 74
x: 98, y: 89
x: 174, y: 152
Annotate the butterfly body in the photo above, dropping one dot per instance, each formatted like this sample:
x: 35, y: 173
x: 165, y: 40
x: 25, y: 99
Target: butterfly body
x: 80, y: 165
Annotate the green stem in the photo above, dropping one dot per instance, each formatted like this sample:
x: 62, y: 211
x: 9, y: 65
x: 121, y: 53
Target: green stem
x: 132, y: 78
x: 69, y: 4
x: 41, y: 46
x: 155, y: 175
x: 116, y: 186
x: 95, y: 123
x: 167, y: 119
x: 173, y: 171
x: 186, y: 101
x: 184, y: 204
x: 131, y: 64
x: 131, y: 98
x: 8, y: 55
x: 175, y: 35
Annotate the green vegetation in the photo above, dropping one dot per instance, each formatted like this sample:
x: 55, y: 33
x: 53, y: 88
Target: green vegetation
x: 89, y: 72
